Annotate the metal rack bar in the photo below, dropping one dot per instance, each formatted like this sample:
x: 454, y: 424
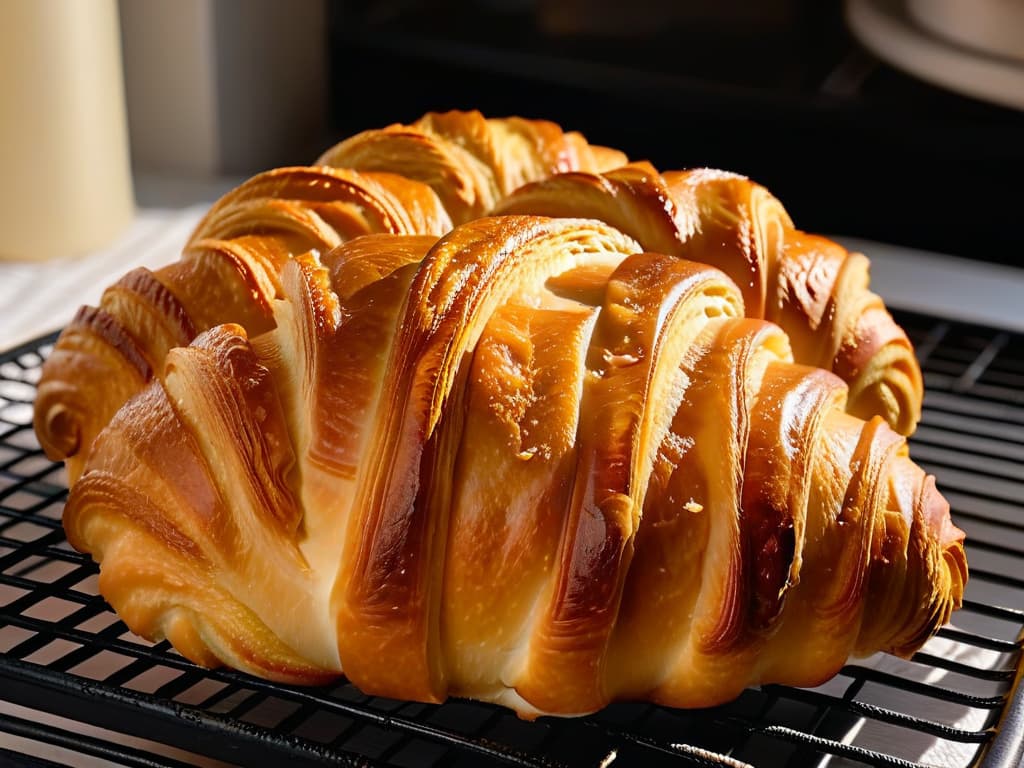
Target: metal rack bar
x: 120, y: 709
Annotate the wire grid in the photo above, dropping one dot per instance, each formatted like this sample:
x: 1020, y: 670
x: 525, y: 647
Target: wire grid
x: 63, y: 651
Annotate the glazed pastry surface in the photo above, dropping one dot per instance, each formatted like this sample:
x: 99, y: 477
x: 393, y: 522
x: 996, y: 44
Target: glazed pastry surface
x: 446, y: 169
x: 419, y: 180
x: 810, y: 286
x: 529, y: 462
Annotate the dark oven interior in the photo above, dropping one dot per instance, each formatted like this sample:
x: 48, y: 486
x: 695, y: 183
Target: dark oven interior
x: 781, y: 91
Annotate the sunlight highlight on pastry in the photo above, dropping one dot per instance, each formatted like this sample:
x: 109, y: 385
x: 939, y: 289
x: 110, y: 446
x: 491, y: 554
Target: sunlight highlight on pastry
x: 528, y: 463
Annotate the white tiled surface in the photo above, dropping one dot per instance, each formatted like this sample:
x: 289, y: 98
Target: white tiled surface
x: 973, y: 291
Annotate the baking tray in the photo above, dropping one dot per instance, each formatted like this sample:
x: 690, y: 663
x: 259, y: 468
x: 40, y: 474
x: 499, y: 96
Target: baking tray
x: 101, y: 691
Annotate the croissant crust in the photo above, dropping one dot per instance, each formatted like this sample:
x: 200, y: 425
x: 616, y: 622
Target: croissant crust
x: 533, y: 462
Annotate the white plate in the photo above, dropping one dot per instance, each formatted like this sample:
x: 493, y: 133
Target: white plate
x: 886, y: 28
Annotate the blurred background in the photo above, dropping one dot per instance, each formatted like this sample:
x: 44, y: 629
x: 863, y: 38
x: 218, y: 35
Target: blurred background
x: 894, y: 120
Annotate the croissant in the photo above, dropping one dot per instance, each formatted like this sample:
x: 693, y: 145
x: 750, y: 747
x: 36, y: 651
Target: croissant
x: 230, y: 269
x: 527, y: 463
x: 815, y: 290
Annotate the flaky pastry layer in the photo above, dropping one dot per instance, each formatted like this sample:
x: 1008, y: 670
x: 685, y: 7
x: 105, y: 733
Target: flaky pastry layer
x: 528, y: 463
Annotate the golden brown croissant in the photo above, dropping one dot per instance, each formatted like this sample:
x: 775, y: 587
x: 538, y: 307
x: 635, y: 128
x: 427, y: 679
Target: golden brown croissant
x: 230, y: 269
x: 469, y: 161
x: 529, y: 464
x: 808, y: 285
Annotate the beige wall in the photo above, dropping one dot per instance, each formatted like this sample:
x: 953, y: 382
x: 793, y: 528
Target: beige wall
x: 224, y: 86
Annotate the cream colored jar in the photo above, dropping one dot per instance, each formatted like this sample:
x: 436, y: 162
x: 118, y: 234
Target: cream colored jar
x: 65, y: 175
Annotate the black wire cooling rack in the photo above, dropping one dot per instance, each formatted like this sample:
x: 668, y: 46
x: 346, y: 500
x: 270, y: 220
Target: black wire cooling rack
x: 958, y: 702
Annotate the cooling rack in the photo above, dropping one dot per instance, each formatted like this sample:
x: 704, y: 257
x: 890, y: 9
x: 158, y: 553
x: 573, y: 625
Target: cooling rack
x: 955, y: 704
